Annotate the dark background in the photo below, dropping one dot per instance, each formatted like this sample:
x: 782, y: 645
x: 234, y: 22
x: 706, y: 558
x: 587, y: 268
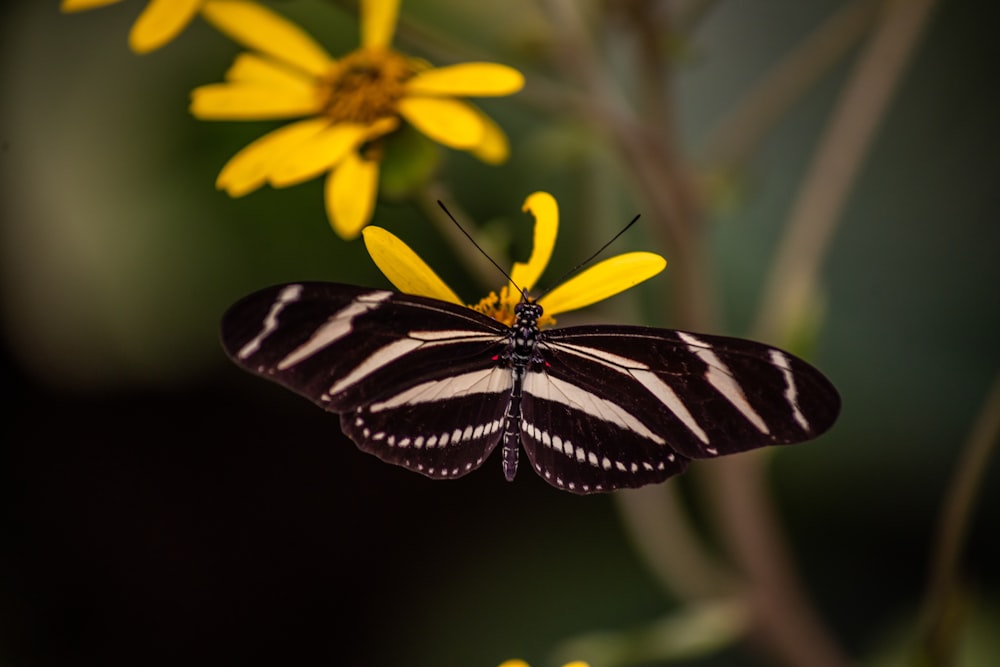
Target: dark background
x: 160, y: 507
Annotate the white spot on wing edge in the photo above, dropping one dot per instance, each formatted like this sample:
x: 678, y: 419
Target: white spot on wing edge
x: 779, y: 359
x: 289, y: 294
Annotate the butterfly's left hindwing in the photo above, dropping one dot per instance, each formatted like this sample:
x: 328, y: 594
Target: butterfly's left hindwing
x: 441, y: 428
x: 416, y: 380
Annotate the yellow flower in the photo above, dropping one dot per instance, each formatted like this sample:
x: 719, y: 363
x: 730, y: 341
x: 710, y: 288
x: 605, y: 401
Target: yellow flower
x: 410, y: 274
x: 159, y: 22
x: 346, y: 106
x: 522, y: 663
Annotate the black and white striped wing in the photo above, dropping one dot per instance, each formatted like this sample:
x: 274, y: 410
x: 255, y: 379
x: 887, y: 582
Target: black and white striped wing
x: 619, y: 406
x: 416, y: 381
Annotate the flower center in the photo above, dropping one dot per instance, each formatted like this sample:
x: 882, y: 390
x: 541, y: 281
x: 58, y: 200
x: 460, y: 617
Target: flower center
x: 501, y: 308
x: 365, y: 85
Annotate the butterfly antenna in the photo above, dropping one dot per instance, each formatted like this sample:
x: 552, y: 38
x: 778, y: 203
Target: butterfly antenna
x: 590, y: 259
x: 479, y: 248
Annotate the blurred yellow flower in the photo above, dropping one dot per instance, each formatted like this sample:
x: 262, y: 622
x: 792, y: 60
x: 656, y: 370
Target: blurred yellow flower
x: 522, y: 663
x: 410, y: 274
x: 346, y: 106
x: 159, y: 22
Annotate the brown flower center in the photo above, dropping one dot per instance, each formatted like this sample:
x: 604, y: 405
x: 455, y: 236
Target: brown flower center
x: 365, y: 85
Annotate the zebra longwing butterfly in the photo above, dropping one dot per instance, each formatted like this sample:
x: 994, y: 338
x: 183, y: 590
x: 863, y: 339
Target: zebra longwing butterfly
x: 435, y: 387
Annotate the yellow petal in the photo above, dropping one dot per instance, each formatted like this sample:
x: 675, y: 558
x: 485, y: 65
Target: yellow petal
x: 80, y: 5
x: 449, y: 122
x: 248, y: 170
x: 350, y: 194
x: 252, y: 68
x: 311, y: 158
x: 404, y: 268
x: 380, y: 127
x: 378, y: 23
x: 160, y: 22
x: 260, y: 29
x: 601, y: 281
x: 327, y: 149
x: 493, y: 148
x: 467, y: 79
x: 543, y: 207
x: 252, y: 101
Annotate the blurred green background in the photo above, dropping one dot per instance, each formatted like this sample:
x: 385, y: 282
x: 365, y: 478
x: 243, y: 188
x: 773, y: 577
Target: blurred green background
x: 161, y: 507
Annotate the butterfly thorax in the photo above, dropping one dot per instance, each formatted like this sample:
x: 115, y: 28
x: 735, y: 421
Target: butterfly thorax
x: 524, y: 333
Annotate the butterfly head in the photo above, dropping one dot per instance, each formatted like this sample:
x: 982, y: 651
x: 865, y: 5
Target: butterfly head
x: 527, y: 313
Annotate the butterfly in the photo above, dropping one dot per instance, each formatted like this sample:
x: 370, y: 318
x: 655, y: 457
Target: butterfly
x: 435, y: 387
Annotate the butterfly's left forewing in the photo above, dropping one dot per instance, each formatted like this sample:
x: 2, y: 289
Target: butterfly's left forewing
x: 416, y: 381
